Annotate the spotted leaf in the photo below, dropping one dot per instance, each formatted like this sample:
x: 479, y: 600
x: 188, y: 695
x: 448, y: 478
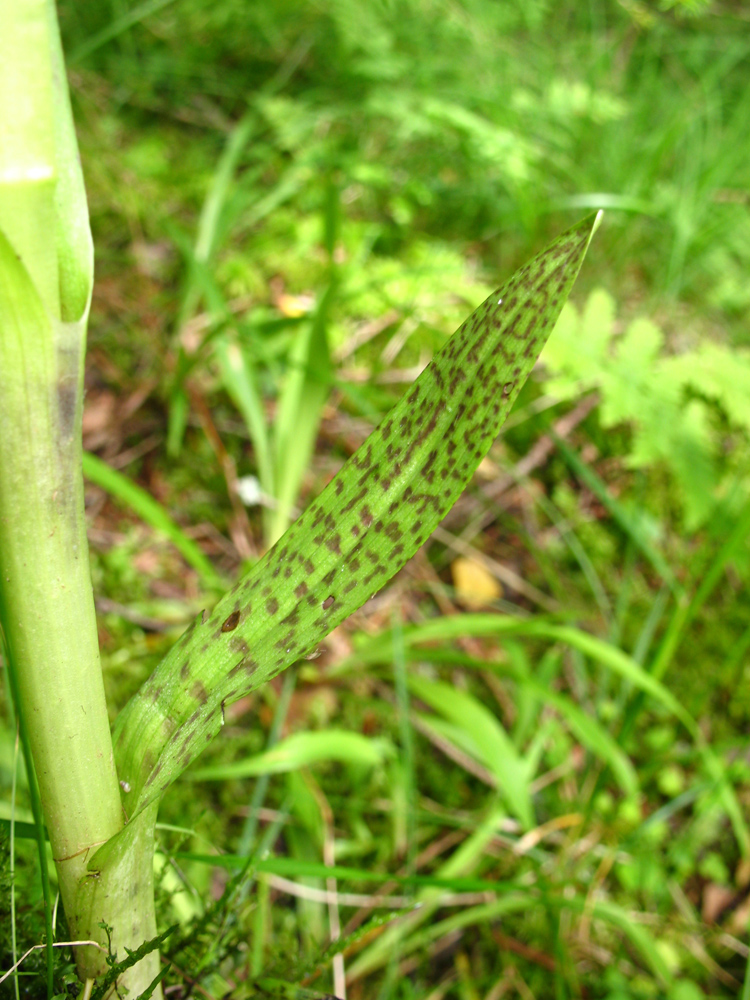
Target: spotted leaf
x: 368, y: 521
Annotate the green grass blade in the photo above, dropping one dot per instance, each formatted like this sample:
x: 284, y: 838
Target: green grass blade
x: 587, y: 729
x: 370, y: 519
x: 404, y: 788
x: 619, y: 514
x: 592, y: 735
x: 144, y: 505
x: 12, y: 865
x: 305, y: 392
x: 641, y: 937
x: 239, y: 378
x: 303, y: 750
x: 197, y: 257
x: 307, y: 386
x: 377, y: 649
x: 687, y: 610
x: 250, y: 829
x: 221, y: 187
x: 408, y: 937
x: 683, y: 615
x: 464, y: 860
x: 212, y: 210
x: 116, y: 28
x: 459, y: 626
x: 443, y: 629
x: 493, y: 745
x: 177, y: 419
x: 571, y: 539
x: 278, y: 989
x: 22, y: 831
x: 296, y: 868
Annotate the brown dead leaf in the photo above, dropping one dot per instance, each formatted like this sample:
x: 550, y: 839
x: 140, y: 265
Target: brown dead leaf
x: 146, y: 561
x: 98, y: 418
x: 488, y: 470
x: 716, y: 898
x: 739, y: 918
x: 742, y: 874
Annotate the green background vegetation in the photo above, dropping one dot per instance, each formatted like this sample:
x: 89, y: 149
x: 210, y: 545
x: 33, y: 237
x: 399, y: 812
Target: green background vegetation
x: 326, y: 190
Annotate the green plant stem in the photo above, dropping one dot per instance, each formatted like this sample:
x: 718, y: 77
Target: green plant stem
x: 48, y: 618
x: 119, y: 889
x: 36, y: 809
x: 12, y: 865
x: 46, y: 599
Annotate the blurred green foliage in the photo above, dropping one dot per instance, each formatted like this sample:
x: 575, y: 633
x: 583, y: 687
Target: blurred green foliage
x: 683, y: 408
x: 478, y: 122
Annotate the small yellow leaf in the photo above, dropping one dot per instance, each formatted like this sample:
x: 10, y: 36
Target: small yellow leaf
x: 295, y: 306
x: 474, y: 585
x: 488, y: 470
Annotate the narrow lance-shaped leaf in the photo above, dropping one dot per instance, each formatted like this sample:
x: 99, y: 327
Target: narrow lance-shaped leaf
x: 364, y: 526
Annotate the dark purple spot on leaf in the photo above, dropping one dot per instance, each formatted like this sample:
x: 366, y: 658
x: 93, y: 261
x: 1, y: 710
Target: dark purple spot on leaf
x: 238, y: 644
x: 231, y: 622
x: 198, y: 692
